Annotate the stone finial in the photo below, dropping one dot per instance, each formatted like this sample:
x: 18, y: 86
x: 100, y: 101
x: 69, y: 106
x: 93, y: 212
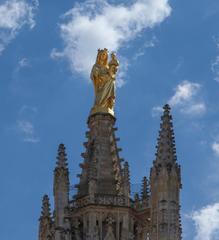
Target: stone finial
x: 126, y: 171
x: 166, y: 151
x: 127, y: 175
x: 145, y: 189
x: 62, y: 157
x: 166, y: 108
x: 61, y: 173
x: 136, y: 201
x: 45, y: 220
x: 46, y: 212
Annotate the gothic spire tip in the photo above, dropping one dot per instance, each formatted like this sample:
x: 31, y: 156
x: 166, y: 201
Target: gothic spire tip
x: 62, y: 156
x: 45, y: 207
x: 166, y: 107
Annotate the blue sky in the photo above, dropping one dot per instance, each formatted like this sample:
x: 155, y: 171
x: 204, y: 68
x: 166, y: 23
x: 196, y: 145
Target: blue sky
x: 169, y: 52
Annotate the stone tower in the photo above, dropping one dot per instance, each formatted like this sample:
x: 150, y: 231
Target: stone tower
x: 103, y: 209
x: 165, y: 181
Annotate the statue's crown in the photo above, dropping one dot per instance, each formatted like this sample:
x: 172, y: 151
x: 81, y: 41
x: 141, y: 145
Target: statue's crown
x: 103, y: 50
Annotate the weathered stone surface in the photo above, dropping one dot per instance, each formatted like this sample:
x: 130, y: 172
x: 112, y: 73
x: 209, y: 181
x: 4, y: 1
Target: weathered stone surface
x: 102, y: 208
x: 104, y: 172
x: 165, y: 183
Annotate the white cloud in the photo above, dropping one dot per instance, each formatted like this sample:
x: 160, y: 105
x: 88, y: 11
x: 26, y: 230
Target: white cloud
x: 194, y: 109
x: 184, y: 92
x: 148, y: 44
x: 215, y: 63
x: 97, y: 24
x: 14, y: 14
x: 207, y: 222
x: 215, y: 147
x: 25, y: 124
x: 156, y: 111
x: 187, y: 99
x: 215, y: 68
x: 120, y: 81
x: 28, y: 131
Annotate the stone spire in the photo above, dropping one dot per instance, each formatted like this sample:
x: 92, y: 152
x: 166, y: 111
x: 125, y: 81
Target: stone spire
x: 165, y: 181
x: 145, y: 189
x: 45, y: 220
x: 126, y: 181
x: 46, y: 212
x: 61, y: 191
x: 145, y: 192
x: 61, y: 158
x: 166, y: 151
x: 101, y: 170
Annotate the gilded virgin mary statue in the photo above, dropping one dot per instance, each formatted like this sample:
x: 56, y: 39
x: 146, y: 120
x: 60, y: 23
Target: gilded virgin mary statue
x: 103, y: 75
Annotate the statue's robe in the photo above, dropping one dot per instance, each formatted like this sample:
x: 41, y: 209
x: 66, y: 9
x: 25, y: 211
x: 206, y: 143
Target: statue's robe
x: 104, y: 86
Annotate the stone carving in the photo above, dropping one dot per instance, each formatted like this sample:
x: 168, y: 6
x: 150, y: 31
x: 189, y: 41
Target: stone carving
x: 110, y: 200
x: 109, y: 233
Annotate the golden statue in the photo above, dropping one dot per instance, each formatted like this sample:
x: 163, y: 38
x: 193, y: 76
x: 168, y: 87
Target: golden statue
x: 103, y: 75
